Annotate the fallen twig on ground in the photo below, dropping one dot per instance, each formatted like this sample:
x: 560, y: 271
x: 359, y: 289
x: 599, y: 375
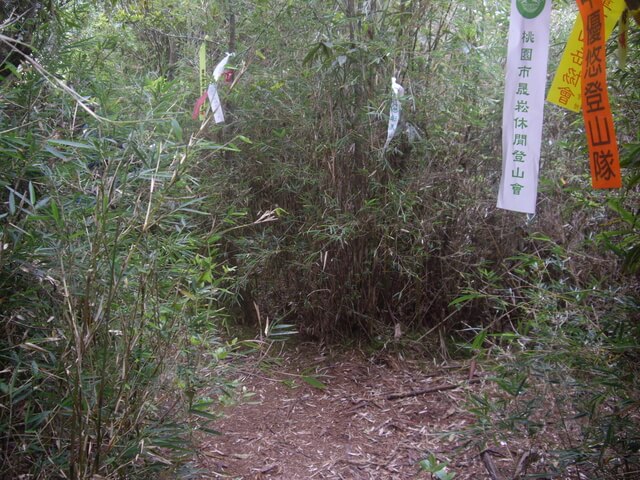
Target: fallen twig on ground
x: 485, y: 455
x: 425, y: 391
x: 525, y: 460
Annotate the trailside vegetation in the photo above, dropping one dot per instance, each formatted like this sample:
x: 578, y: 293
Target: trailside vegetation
x: 132, y: 236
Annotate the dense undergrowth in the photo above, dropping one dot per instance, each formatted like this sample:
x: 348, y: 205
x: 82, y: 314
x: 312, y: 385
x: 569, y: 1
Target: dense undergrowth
x: 567, y: 367
x: 132, y: 234
x: 109, y: 274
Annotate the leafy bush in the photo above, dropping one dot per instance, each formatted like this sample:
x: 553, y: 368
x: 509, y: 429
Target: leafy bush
x: 566, y: 363
x: 103, y: 280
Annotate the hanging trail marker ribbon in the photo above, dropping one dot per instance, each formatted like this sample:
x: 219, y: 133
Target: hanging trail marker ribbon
x: 523, y: 109
x: 212, y: 90
x: 202, y: 63
x: 214, y: 101
x: 604, y: 158
x: 219, y: 70
x: 394, y: 112
x: 565, y: 88
x: 198, y: 106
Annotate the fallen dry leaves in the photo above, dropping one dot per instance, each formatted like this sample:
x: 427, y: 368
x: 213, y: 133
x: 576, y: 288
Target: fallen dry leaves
x: 375, y: 419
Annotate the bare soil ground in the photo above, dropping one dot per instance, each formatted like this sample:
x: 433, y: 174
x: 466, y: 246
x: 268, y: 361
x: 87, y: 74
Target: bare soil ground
x: 308, y: 413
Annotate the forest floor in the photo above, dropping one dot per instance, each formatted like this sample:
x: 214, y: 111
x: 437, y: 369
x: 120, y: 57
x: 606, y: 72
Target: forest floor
x: 311, y: 413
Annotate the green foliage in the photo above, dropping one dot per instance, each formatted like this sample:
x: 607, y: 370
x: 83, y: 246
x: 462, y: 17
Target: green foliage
x: 623, y: 237
x: 130, y: 233
x: 370, y: 239
x: 569, y: 358
x: 624, y: 240
x: 436, y: 469
x: 103, y: 281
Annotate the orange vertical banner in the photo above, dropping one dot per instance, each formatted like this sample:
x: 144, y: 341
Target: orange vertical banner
x: 596, y: 110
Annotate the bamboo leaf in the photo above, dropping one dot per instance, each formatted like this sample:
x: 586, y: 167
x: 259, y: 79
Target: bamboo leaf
x: 203, y: 413
x: 69, y: 143
x: 465, y: 298
x: 55, y: 152
x: 314, y: 382
x: 32, y: 194
x: 55, y: 213
x: 12, y: 203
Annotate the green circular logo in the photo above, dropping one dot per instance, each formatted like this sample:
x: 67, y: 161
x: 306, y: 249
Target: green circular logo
x: 530, y: 8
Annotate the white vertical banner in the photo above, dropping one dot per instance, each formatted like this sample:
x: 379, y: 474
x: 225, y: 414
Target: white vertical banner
x: 525, y: 80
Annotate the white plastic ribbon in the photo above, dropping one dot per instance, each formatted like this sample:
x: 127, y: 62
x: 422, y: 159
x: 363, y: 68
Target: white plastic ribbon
x: 394, y: 112
x: 219, y: 70
x: 214, y: 101
x: 366, y: 8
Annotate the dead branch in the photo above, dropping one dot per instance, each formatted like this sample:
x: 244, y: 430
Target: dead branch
x: 485, y: 455
x: 425, y: 391
x: 523, y: 463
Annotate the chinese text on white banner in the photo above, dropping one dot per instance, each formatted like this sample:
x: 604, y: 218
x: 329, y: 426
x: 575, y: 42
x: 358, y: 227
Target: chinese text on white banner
x: 524, y: 104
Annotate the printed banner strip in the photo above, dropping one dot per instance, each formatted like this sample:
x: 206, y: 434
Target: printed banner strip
x: 202, y: 61
x: 603, y: 147
x: 566, y: 86
x: 523, y: 109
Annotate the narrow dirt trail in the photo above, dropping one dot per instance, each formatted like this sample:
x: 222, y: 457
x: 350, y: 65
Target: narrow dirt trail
x: 307, y: 414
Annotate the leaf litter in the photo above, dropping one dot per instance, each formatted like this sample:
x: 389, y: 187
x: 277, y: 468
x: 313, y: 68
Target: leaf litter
x: 312, y: 413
